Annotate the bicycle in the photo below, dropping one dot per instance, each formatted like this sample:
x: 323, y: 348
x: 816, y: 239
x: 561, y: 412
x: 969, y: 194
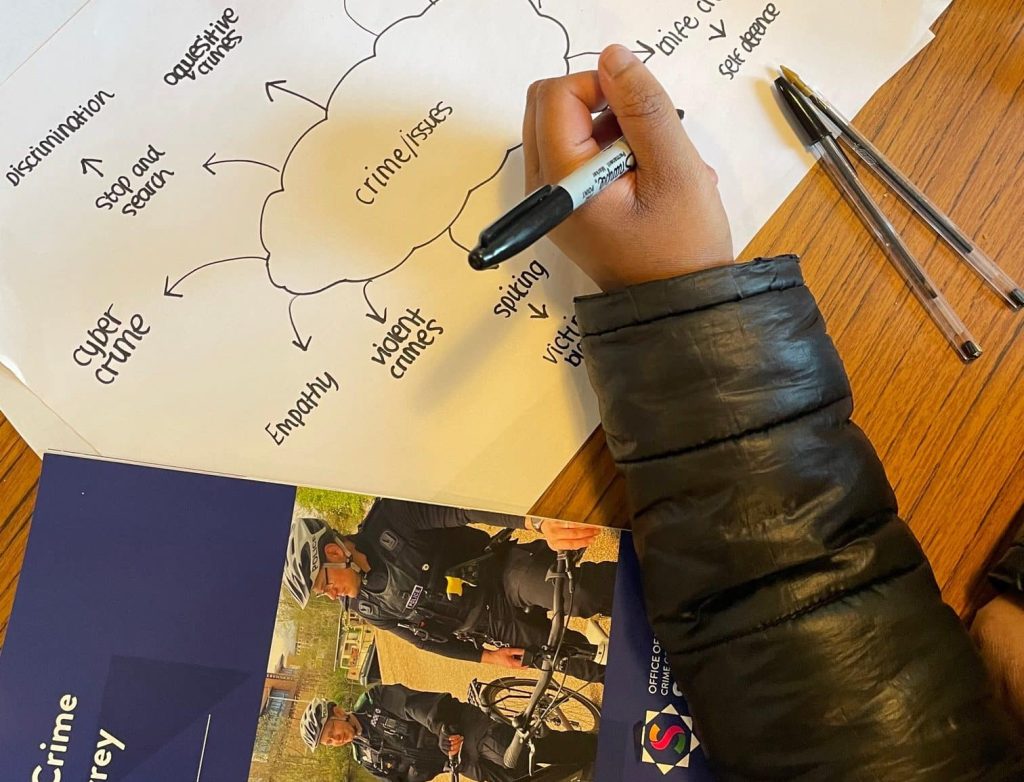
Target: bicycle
x: 536, y: 706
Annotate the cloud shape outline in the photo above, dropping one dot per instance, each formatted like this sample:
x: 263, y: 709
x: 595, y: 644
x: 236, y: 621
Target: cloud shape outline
x: 553, y: 26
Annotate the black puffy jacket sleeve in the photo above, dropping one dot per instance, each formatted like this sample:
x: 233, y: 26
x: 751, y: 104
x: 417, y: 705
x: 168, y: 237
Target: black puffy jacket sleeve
x: 801, y: 616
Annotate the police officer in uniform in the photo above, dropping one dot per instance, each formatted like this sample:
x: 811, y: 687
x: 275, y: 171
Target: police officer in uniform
x: 393, y: 572
x: 402, y: 735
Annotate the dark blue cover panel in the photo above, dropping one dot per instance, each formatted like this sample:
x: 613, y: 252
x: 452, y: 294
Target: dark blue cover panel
x: 139, y: 639
x: 646, y: 731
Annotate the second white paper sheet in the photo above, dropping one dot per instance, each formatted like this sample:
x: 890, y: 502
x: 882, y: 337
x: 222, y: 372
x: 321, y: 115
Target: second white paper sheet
x: 231, y: 238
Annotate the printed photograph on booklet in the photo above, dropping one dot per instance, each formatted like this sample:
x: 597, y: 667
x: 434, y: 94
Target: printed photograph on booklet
x: 410, y: 637
x: 214, y: 628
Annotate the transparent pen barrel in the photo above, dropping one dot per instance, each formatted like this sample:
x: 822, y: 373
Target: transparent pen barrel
x: 1000, y: 281
x: 878, y: 224
x: 947, y: 230
x: 963, y: 246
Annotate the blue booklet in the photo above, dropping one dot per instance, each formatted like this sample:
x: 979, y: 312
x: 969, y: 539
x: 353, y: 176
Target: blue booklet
x: 179, y: 626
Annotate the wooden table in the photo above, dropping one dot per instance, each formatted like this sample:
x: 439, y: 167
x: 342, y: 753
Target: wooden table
x: 951, y: 436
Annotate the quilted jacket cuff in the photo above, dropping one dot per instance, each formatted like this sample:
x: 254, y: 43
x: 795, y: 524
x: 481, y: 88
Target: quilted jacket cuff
x: 708, y: 356
x: 651, y: 301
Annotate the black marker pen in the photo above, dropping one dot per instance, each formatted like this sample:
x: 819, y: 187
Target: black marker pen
x: 548, y: 206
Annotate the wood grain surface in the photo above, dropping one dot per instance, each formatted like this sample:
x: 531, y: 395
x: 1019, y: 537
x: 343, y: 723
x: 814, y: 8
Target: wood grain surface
x: 950, y: 435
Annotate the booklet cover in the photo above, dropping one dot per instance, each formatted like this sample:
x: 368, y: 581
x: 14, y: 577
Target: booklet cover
x: 179, y: 626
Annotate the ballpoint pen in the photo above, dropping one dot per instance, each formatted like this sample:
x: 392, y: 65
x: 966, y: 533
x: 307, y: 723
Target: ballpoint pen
x: 820, y: 141
x: 947, y: 230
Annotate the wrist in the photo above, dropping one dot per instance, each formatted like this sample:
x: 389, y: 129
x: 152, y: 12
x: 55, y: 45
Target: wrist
x: 628, y: 274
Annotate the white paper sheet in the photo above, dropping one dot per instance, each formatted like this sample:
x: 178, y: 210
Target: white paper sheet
x: 480, y: 416
x: 25, y: 25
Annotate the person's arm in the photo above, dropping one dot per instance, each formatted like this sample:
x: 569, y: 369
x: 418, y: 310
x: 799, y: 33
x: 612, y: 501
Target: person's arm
x: 455, y: 650
x: 433, y: 710
x: 412, y: 517
x: 801, y: 618
x: 507, y: 657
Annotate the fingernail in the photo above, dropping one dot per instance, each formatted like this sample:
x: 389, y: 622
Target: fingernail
x: 616, y: 59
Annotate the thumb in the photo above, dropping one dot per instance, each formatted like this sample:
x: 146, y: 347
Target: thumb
x: 645, y: 112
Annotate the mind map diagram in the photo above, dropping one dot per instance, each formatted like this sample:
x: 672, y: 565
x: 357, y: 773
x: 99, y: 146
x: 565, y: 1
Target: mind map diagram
x: 359, y: 193
x: 241, y: 228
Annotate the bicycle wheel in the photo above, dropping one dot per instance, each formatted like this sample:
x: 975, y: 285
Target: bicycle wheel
x: 504, y: 699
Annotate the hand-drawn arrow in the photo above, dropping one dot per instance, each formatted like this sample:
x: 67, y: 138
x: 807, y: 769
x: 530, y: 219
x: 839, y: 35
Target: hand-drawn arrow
x: 373, y: 314
x: 169, y: 288
x: 89, y: 164
x: 277, y: 85
x: 538, y: 313
x: 719, y: 31
x: 647, y: 51
x: 210, y: 163
x: 298, y: 342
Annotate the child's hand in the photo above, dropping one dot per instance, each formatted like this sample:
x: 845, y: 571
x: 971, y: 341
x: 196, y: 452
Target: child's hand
x: 661, y: 220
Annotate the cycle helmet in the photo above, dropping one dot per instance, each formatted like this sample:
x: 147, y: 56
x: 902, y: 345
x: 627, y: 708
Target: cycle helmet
x: 305, y: 557
x: 314, y: 720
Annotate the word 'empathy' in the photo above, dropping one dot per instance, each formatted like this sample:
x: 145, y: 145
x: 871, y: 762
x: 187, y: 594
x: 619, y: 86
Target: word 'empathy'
x: 306, y: 403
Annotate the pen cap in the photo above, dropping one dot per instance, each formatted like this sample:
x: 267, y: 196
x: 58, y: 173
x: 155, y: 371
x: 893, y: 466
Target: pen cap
x: 813, y: 129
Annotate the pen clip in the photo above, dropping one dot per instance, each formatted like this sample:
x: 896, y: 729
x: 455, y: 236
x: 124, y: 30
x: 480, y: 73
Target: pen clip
x: 524, y: 206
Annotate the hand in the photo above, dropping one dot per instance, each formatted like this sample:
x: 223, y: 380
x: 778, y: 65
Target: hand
x: 998, y: 629
x: 565, y: 536
x: 507, y: 657
x: 661, y: 220
x: 450, y: 744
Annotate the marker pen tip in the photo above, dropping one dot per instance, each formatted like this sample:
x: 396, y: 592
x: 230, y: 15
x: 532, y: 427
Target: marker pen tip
x: 477, y: 259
